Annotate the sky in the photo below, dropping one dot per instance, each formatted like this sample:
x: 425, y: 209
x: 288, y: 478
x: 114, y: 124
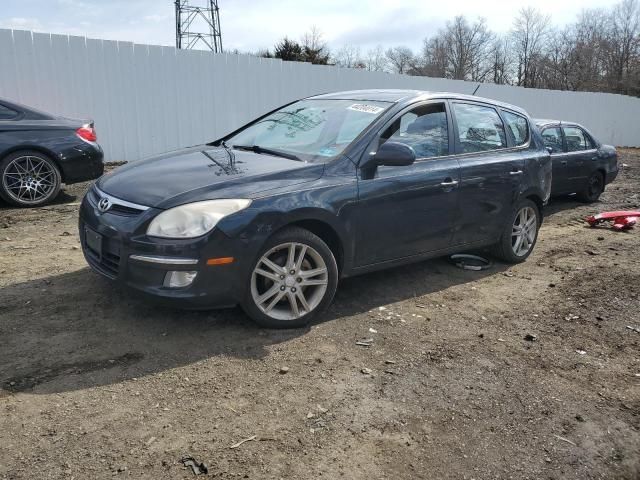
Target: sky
x: 249, y: 25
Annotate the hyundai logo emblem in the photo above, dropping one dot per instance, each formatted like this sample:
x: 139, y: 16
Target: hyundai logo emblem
x: 104, y: 204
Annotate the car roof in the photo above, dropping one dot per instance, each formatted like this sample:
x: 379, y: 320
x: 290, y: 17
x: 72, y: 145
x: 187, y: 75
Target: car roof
x: 30, y: 112
x: 397, y: 96
x: 544, y: 122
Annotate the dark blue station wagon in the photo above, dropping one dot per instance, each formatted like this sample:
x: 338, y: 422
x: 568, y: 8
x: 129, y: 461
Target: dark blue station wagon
x: 272, y: 215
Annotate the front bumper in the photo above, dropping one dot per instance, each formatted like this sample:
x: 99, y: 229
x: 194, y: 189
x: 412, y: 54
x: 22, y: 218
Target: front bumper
x: 132, y: 259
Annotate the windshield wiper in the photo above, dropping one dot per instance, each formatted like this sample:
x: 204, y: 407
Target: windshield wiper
x: 230, y: 154
x: 268, y: 151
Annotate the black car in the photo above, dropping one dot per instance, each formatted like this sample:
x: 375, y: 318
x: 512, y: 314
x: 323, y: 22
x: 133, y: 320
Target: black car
x: 581, y: 164
x: 39, y: 152
x: 273, y: 214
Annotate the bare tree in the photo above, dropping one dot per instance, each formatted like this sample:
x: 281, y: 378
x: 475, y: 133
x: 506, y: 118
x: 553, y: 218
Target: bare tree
x: 349, y: 57
x: 623, y: 45
x: 314, y: 48
x: 468, y: 49
x: 530, y: 33
x: 400, y: 59
x: 600, y: 51
x: 461, y: 50
x: 375, y: 60
x: 434, y: 61
x: 500, y: 61
x: 585, y: 41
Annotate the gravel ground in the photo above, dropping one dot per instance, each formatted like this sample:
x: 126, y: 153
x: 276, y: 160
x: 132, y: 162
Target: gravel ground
x: 524, y: 372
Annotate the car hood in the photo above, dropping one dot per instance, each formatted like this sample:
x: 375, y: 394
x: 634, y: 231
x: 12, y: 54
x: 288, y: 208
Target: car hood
x: 204, y: 173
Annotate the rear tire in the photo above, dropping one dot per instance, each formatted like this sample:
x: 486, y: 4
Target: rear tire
x: 293, y: 280
x: 520, y: 233
x: 593, y: 189
x: 29, y: 179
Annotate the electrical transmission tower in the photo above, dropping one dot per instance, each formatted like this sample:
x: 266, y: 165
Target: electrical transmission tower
x: 198, y: 25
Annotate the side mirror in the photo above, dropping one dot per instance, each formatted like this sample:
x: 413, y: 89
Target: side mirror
x: 394, y: 154
x: 550, y: 150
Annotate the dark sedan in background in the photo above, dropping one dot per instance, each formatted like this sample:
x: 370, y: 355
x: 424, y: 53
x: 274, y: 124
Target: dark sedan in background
x: 39, y: 152
x: 274, y: 214
x: 581, y: 164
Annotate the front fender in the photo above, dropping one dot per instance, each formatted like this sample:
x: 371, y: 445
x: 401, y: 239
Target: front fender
x: 332, y: 205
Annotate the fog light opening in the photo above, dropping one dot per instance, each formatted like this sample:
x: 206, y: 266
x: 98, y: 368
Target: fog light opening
x: 179, y: 279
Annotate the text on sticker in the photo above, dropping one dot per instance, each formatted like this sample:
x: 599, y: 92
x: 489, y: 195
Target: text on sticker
x: 360, y: 107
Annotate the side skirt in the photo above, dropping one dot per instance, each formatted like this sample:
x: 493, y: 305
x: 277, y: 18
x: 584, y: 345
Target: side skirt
x: 416, y: 258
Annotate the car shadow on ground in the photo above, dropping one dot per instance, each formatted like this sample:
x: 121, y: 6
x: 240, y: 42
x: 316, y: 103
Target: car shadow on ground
x: 77, y: 330
x: 63, y: 198
x: 562, y: 203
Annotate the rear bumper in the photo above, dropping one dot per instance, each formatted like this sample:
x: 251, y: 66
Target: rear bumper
x: 81, y: 162
x: 611, y: 175
x: 142, y: 264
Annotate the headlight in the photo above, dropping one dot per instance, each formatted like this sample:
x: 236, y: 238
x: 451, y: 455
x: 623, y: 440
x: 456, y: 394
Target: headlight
x: 194, y: 219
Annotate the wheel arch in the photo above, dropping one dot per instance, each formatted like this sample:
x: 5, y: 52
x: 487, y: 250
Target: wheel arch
x: 35, y: 148
x: 318, y: 221
x: 325, y: 232
x: 537, y: 199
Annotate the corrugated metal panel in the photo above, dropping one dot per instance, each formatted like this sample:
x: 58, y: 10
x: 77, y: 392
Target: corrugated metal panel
x: 148, y: 99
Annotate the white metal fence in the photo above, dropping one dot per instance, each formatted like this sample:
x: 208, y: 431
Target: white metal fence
x: 149, y: 99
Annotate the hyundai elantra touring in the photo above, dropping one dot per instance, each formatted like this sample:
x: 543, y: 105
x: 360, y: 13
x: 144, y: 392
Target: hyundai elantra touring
x: 271, y: 216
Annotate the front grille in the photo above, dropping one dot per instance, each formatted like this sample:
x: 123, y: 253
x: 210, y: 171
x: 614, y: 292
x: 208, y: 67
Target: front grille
x: 109, y: 263
x: 124, y: 210
x: 118, y: 207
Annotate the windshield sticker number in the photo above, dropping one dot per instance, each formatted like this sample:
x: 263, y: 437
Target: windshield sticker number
x: 360, y: 107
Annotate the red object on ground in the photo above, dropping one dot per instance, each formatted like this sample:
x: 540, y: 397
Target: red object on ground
x: 622, y: 220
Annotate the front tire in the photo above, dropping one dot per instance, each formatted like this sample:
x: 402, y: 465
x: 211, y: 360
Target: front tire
x: 293, y: 280
x: 593, y: 189
x: 29, y: 179
x: 520, y: 233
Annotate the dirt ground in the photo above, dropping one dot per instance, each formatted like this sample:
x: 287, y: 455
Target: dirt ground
x: 96, y: 383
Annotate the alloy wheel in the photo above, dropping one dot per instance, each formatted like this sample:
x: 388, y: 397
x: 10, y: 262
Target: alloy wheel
x: 523, y: 233
x: 29, y: 179
x: 289, y: 281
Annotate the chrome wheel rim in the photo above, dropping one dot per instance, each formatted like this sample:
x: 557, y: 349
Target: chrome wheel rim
x: 523, y: 234
x: 289, y: 281
x: 29, y: 179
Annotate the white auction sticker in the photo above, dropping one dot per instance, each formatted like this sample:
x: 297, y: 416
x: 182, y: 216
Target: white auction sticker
x: 360, y: 107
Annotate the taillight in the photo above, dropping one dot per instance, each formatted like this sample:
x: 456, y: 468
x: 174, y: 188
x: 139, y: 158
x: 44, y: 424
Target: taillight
x: 87, y: 132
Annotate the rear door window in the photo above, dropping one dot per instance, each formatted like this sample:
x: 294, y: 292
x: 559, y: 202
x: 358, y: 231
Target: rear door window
x: 552, y: 137
x: 518, y: 127
x: 423, y: 128
x: 576, y: 139
x: 6, y: 113
x: 479, y: 128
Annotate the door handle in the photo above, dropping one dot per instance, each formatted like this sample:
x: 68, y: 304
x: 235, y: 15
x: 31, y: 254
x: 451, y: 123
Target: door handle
x: 564, y: 162
x: 515, y: 172
x: 449, y: 183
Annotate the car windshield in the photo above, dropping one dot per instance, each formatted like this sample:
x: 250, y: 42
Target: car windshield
x: 311, y: 130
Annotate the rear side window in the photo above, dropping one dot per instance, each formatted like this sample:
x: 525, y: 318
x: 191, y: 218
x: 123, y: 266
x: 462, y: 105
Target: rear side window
x: 552, y: 138
x: 6, y: 113
x: 576, y: 139
x: 479, y: 128
x: 518, y: 126
x: 424, y: 129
